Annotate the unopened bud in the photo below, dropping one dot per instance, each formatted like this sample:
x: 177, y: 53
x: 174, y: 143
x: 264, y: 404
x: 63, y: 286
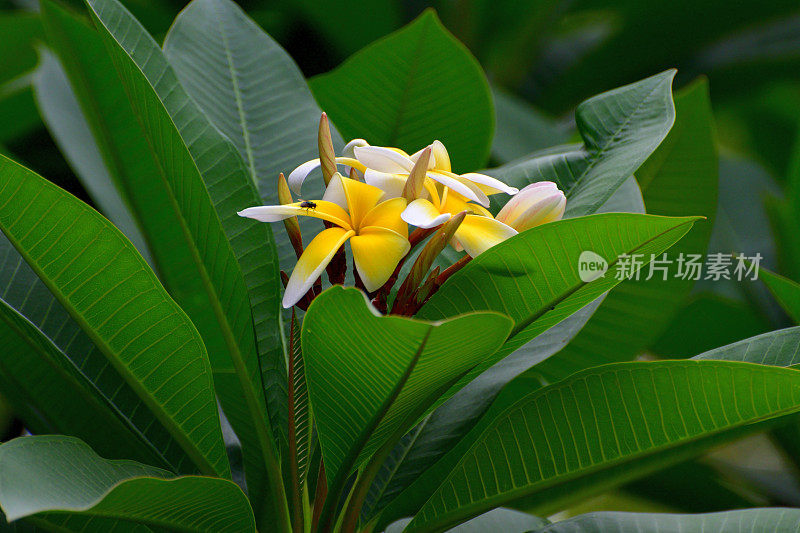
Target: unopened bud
x: 327, y: 156
x: 415, y: 184
x: 536, y: 204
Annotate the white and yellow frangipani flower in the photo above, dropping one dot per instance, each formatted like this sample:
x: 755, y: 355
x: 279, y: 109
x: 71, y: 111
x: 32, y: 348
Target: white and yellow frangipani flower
x: 536, y: 204
x: 389, y: 168
x: 299, y: 175
x: 478, y: 232
x: 356, y: 212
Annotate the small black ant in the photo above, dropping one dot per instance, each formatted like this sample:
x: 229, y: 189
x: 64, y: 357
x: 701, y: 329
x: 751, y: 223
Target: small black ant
x: 308, y: 205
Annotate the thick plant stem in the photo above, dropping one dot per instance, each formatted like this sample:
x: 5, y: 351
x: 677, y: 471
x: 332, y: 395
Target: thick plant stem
x: 319, y: 496
x: 361, y: 489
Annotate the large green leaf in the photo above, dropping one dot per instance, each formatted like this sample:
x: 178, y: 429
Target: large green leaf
x: 109, y: 290
x: 603, y: 426
x: 253, y: 92
x: 534, y: 277
x: 679, y: 178
x: 22, y: 290
x: 499, y: 520
x: 328, y: 18
x: 61, y: 481
x: 18, y: 114
x: 620, y: 130
x: 786, y: 291
x: 21, y: 30
x: 744, y: 521
x: 205, y: 181
x: 67, y: 125
x: 778, y: 348
x: 409, y: 88
x: 443, y: 428
x: 775, y: 348
x: 521, y: 129
x: 349, y: 398
x: 113, y: 163
x: 39, y: 380
x: 135, y: 167
x: 724, y: 311
x: 697, y: 486
x: 630, y: 38
x: 437, y: 433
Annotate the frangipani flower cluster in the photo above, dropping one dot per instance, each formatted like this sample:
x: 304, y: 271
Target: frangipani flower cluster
x: 386, y: 191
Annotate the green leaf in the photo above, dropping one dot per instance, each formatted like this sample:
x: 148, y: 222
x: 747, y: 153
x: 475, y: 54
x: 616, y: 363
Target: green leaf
x: 743, y: 521
x: 776, y: 348
x: 696, y: 486
x: 109, y: 290
x: 18, y: 115
x: 20, y: 31
x: 413, y: 86
x: 500, y: 520
x: 60, y: 480
x: 443, y: 428
x: 638, y: 37
x: 604, y: 426
x: 329, y: 18
x: 349, y: 398
x: 122, y: 148
x: 206, y: 183
x: 40, y: 380
x: 253, y: 92
x: 302, y: 419
x: 786, y: 291
x: 533, y: 277
x: 679, y: 178
x: 620, y: 130
x: 437, y: 433
x: 22, y: 290
x: 708, y: 321
x: 67, y: 125
x: 522, y: 129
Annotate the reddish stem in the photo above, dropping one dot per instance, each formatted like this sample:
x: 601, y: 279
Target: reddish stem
x: 452, y: 269
x: 319, y: 496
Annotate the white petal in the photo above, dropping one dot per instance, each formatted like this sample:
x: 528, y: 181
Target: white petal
x: 423, y: 214
x: 269, y: 213
x: 391, y: 184
x: 490, y: 182
x: 334, y: 192
x: 349, y: 148
x: 468, y: 191
x: 383, y: 159
x: 298, y: 175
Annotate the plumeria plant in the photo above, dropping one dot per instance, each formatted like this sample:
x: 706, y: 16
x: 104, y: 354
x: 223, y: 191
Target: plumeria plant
x: 387, y: 190
x: 408, y: 352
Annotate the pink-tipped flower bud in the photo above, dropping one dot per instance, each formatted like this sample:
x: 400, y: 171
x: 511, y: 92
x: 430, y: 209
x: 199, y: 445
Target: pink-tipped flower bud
x: 536, y: 204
